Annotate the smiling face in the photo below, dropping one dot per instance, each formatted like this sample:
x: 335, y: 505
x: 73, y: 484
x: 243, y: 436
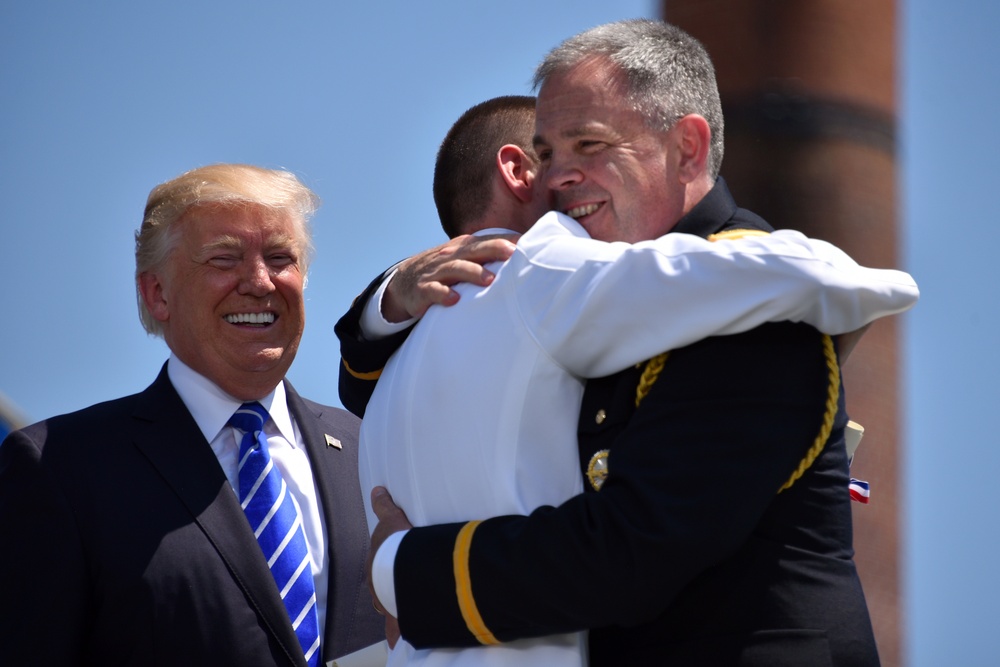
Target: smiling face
x: 602, y: 163
x: 229, y: 296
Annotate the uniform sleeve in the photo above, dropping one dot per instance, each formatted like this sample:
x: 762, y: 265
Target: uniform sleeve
x: 362, y: 358
x: 597, y: 308
x: 42, y: 566
x: 691, y: 474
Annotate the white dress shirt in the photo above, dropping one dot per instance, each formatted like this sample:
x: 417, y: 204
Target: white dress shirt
x: 211, y: 409
x: 476, y: 415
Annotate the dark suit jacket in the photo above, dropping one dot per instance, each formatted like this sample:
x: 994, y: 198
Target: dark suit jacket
x: 688, y: 555
x: 123, y: 542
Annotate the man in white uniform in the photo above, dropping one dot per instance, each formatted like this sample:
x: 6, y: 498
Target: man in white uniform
x: 476, y: 414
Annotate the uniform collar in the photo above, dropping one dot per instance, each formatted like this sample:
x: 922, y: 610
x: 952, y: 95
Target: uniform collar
x: 710, y: 214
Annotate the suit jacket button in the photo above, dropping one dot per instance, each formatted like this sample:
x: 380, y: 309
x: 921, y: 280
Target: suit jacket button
x: 600, y: 416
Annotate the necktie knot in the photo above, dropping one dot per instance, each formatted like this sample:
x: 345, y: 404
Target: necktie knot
x: 249, y: 418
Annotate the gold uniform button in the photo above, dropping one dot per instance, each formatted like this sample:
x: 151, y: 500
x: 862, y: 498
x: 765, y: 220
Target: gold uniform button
x: 600, y: 416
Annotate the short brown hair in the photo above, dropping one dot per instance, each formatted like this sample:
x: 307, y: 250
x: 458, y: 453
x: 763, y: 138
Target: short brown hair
x: 466, y: 160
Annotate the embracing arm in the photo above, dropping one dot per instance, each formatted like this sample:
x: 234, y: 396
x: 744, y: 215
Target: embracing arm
x: 685, y: 491
x: 362, y: 357
x: 414, y: 285
x: 597, y: 308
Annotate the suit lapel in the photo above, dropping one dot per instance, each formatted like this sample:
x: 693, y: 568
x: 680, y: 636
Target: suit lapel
x: 170, y: 439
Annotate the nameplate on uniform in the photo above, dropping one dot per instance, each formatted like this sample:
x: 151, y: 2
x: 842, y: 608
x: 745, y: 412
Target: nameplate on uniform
x: 852, y: 437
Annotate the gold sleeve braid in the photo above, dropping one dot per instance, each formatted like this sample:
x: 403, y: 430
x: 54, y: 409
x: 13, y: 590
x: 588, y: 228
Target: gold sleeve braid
x: 463, y: 586
x: 655, y: 366
x: 373, y: 375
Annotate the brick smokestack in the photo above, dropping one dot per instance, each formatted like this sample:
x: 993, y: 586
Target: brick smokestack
x: 809, y: 92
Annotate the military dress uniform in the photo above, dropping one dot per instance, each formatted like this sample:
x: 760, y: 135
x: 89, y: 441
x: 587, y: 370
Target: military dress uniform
x: 721, y: 533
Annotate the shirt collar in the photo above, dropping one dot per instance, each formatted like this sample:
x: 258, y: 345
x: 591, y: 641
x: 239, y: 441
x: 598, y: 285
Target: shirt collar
x: 493, y: 230
x: 211, y: 407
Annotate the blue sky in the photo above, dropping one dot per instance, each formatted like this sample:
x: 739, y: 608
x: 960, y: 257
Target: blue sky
x: 101, y: 101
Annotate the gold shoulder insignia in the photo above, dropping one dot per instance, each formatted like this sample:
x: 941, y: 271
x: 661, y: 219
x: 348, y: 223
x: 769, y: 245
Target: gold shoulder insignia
x: 730, y: 234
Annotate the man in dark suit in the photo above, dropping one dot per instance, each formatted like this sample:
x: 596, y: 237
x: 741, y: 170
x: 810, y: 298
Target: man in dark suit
x: 124, y: 539
x: 716, y: 529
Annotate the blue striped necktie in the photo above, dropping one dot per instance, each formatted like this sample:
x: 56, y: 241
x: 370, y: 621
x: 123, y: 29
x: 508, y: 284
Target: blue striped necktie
x: 277, y: 525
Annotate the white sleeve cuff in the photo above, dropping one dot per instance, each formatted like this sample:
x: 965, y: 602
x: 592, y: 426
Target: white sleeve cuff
x: 373, y: 325
x: 383, y: 580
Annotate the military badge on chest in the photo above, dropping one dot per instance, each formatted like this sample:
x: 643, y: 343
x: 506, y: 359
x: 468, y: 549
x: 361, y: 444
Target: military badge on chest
x: 597, y: 469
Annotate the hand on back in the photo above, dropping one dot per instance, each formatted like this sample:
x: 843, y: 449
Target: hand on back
x: 427, y: 278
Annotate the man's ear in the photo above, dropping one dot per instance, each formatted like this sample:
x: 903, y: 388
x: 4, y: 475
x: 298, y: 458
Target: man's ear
x: 694, y: 140
x: 151, y: 289
x: 517, y: 171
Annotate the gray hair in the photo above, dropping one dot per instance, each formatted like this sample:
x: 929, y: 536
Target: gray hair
x: 667, y: 73
x: 229, y: 185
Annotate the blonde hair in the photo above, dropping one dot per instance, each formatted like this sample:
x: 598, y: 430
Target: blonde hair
x: 228, y: 185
